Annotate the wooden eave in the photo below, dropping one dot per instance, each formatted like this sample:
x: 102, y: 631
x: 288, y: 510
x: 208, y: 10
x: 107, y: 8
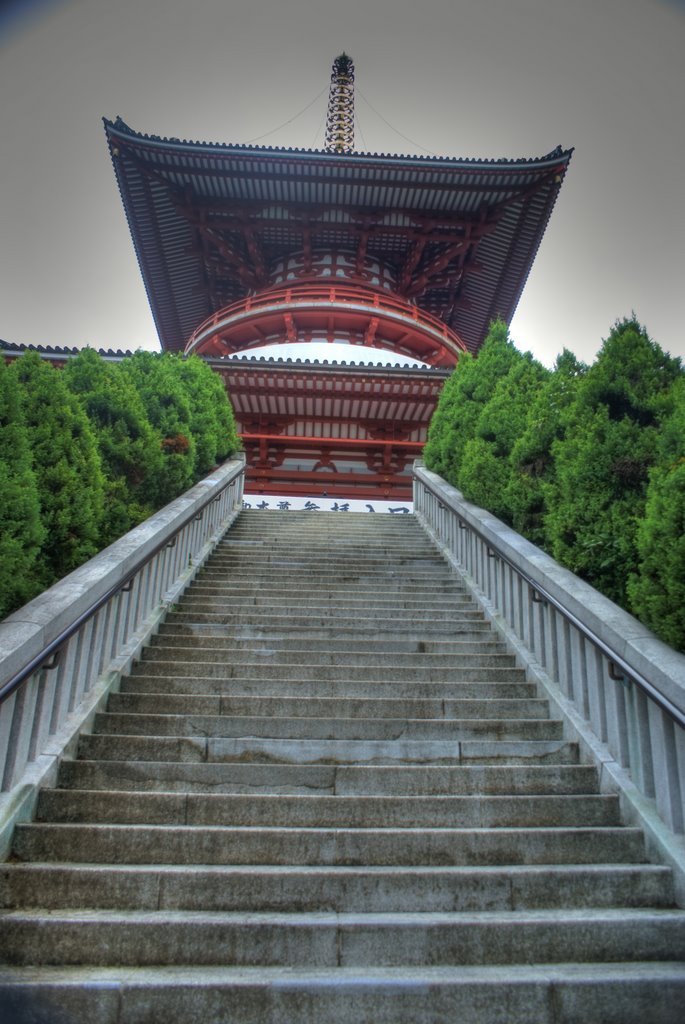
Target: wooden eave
x: 209, y: 220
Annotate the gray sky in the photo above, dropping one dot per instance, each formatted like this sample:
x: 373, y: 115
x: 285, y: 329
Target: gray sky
x: 492, y: 78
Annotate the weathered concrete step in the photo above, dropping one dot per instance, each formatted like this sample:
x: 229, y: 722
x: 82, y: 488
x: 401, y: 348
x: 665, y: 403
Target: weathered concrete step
x: 416, y: 555
x: 322, y: 751
x: 203, y: 844
x: 357, y: 601
x: 323, y: 707
x: 116, y: 807
x: 244, y: 638
x: 412, y: 549
x: 369, y: 673
x: 324, y: 521
x: 276, y: 552
x: 324, y: 588
x: 471, y: 625
x: 337, y: 889
x: 357, y: 780
x: 262, y: 655
x: 413, y: 612
x: 417, y: 545
x: 327, y: 587
x: 122, y: 938
x: 342, y: 570
x: 410, y: 540
x: 306, y: 729
x: 324, y: 688
x: 288, y: 561
x: 323, y: 575
x: 615, y: 993
x: 332, y: 579
x: 392, y: 541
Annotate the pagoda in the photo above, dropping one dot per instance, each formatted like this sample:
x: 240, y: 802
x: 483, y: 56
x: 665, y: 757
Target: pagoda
x: 242, y: 247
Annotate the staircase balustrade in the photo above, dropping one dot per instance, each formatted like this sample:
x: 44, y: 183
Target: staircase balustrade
x: 62, y: 652
x: 623, y: 682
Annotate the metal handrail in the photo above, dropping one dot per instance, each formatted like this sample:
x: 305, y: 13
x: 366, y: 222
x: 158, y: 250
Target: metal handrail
x: 614, y: 658
x: 53, y: 648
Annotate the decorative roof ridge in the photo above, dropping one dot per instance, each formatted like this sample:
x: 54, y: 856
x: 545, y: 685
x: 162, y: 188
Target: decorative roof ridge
x: 61, y: 350
x: 119, y: 125
x: 344, y: 364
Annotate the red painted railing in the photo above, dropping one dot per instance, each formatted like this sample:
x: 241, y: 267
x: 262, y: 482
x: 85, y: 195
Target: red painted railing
x: 340, y: 296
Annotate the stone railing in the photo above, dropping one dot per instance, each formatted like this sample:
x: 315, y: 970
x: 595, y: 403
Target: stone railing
x: 63, y: 652
x: 619, y: 688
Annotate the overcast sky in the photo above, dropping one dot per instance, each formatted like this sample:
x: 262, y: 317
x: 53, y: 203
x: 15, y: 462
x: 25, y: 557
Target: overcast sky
x: 491, y: 78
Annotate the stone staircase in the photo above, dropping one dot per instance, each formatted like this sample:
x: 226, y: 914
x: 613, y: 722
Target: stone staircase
x: 327, y: 793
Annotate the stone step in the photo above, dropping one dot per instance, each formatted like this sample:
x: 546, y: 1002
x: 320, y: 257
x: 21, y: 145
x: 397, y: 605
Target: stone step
x: 168, y: 667
x: 394, y: 542
x: 467, y: 625
x: 325, y: 688
x: 120, y: 938
x: 353, y: 592
x: 316, y: 563
x: 333, y: 889
x: 359, y: 602
x: 218, y: 650
x: 330, y: 577
x: 614, y: 993
x: 341, y: 780
x: 326, y: 587
x: 323, y: 707
x: 436, y: 847
x: 326, y: 792
x: 245, y: 638
x: 116, y: 807
x: 325, y: 521
x: 322, y: 751
x: 309, y: 728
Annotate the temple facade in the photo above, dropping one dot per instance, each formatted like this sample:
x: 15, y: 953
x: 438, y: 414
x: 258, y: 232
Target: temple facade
x: 242, y: 247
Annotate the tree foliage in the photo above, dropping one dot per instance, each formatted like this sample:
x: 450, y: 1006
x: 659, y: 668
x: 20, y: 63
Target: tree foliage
x: 129, y: 446
x: 589, y: 463
x: 532, y: 463
x: 657, y: 589
x: 603, y: 459
x: 211, y: 418
x: 157, y: 379
x: 462, y: 399
x: 66, y: 464
x: 486, y: 463
x: 89, y: 451
x: 21, y: 532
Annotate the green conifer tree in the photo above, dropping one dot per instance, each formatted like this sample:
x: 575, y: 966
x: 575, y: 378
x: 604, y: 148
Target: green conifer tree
x: 211, y: 417
x: 21, y: 532
x: 461, y: 401
x: 657, y: 589
x: 532, y: 463
x: 157, y: 378
x: 129, y: 446
x: 602, y: 461
x: 486, y: 463
x: 66, y: 464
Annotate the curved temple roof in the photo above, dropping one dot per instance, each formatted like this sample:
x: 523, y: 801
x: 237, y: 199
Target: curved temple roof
x: 209, y: 220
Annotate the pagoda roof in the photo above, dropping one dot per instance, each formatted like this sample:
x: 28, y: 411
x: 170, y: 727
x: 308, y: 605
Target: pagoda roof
x: 209, y: 220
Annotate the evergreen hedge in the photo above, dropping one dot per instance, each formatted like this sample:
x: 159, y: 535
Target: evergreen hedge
x: 588, y: 463
x: 88, y: 452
